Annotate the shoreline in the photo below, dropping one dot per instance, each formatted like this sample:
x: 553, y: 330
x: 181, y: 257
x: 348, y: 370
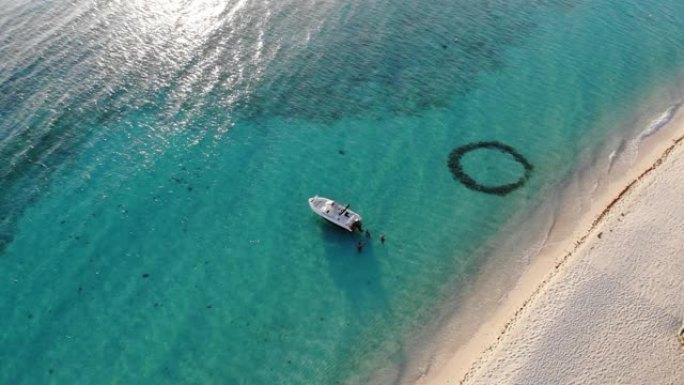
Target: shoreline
x: 624, y: 276
x: 491, y: 307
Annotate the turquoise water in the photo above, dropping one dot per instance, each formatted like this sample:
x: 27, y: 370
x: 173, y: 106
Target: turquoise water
x: 157, y: 158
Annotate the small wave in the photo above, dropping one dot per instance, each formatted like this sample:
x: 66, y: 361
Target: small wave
x: 615, y: 155
x: 659, y: 122
x: 611, y: 159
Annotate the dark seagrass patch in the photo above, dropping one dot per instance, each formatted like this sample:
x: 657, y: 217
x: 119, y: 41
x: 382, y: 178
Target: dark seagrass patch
x: 460, y: 175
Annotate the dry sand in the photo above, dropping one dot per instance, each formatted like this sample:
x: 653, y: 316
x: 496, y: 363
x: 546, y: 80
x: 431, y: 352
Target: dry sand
x: 607, y: 312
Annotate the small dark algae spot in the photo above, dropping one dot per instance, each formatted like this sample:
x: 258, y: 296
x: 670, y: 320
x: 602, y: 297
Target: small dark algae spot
x: 146, y: 275
x: 341, y: 152
x: 209, y: 306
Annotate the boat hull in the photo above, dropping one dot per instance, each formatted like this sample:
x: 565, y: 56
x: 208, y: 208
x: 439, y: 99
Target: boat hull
x: 335, y: 213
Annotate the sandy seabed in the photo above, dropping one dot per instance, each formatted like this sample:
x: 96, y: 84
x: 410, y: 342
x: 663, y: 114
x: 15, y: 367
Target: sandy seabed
x: 609, y: 310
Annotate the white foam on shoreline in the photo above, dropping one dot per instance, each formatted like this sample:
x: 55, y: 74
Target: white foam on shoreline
x: 659, y: 122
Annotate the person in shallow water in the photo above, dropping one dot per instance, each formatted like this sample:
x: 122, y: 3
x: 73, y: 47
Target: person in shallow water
x: 368, y: 234
x: 356, y: 226
x: 359, y: 246
x: 382, y: 238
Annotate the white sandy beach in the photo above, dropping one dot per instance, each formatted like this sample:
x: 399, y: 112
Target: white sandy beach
x: 607, y: 308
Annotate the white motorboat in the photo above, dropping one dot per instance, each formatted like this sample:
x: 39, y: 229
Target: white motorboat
x: 335, y: 213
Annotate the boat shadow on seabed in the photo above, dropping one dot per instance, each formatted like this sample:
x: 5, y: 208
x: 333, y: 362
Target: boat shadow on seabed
x: 357, y: 274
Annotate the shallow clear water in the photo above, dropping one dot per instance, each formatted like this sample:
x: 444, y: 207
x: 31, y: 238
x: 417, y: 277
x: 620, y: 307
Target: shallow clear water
x: 157, y: 158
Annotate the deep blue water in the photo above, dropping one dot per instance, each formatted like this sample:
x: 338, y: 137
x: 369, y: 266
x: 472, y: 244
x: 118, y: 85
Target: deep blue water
x: 156, y: 158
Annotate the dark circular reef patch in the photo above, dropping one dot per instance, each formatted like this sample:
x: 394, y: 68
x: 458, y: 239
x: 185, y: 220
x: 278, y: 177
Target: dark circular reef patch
x: 459, y: 174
